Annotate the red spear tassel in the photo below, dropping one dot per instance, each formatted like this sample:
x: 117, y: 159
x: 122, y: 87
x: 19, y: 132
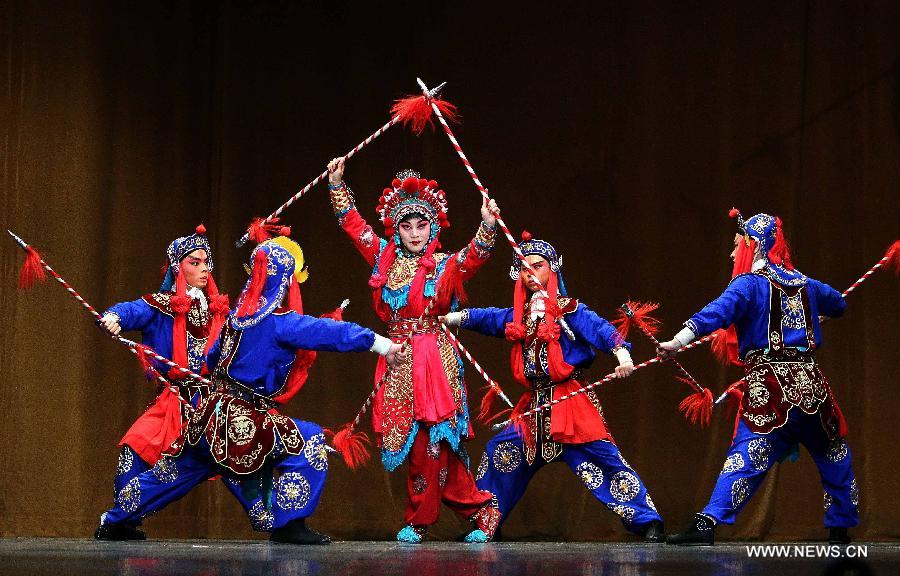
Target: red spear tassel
x: 352, y: 446
x: 697, y: 408
x: 415, y: 111
x: 640, y: 317
x: 893, y: 256
x: 144, y: 361
x: 487, y: 402
x: 32, y: 270
x: 260, y: 230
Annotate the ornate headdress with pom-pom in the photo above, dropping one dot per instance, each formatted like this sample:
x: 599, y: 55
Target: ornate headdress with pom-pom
x: 180, y: 248
x: 411, y: 194
x: 531, y: 246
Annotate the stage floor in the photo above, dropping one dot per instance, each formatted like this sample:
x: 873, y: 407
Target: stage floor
x: 60, y: 556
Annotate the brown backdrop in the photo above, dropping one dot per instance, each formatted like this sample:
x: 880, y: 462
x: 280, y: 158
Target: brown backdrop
x: 621, y: 132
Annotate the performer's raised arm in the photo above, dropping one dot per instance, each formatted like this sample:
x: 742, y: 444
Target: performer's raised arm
x: 364, y: 238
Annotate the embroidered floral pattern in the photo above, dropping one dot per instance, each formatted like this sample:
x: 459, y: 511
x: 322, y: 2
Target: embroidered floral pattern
x: 260, y: 518
x: 740, y: 490
x: 129, y: 497
x: 126, y: 460
x: 292, y: 491
x: 507, y: 457
x: 759, y: 451
x: 733, y: 463
x: 316, y: 452
x: 166, y: 470
x: 624, y: 486
x: 590, y: 474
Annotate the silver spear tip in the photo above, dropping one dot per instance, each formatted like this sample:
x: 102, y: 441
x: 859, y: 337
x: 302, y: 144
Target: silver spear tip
x: 345, y: 303
x: 432, y: 93
x: 16, y: 238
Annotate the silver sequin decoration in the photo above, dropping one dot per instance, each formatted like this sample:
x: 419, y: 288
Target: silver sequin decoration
x: 838, y: 450
x: 126, y: 460
x: 482, y: 467
x: 828, y: 500
x: 759, y: 451
x: 260, y: 518
x: 740, y: 490
x: 129, y: 497
x: 854, y: 493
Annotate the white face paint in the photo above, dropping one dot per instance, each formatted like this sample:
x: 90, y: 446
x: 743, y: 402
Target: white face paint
x: 414, y: 233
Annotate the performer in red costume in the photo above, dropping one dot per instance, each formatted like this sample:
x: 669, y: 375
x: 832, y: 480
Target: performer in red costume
x: 421, y: 412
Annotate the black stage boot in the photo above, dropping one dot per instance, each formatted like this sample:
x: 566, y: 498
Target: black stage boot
x: 701, y: 532
x: 838, y: 536
x: 110, y: 531
x: 296, y: 532
x: 655, y: 533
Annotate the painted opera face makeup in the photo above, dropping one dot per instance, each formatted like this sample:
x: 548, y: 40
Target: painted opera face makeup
x: 541, y: 267
x: 196, y: 268
x: 737, y: 240
x: 414, y: 233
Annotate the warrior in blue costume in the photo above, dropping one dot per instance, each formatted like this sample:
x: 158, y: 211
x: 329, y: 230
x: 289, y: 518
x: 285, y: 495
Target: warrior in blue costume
x: 772, y: 314
x: 554, y: 337
x: 261, y: 361
x: 181, y: 322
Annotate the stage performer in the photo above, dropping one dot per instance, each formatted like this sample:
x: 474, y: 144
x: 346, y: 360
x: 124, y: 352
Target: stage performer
x: 774, y: 310
x: 421, y: 413
x: 261, y: 361
x: 549, y: 361
x: 180, y: 322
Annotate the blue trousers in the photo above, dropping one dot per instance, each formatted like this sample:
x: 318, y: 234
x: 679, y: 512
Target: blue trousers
x: 752, y: 455
x: 505, y: 472
x: 296, y: 492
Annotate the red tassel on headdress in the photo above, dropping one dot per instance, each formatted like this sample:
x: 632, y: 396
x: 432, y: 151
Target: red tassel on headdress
x: 32, y: 271
x: 697, y: 407
x: 180, y: 303
x: 351, y: 446
x: 893, y: 256
x: 780, y: 253
x: 250, y: 300
x: 415, y: 111
x: 641, y: 317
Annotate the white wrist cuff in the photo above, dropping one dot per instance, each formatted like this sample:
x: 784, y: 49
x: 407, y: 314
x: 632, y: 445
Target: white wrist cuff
x: 623, y: 355
x: 685, y: 336
x: 453, y: 318
x: 381, y: 346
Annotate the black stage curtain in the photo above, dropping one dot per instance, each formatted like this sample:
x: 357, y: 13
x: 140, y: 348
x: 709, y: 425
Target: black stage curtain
x: 622, y: 132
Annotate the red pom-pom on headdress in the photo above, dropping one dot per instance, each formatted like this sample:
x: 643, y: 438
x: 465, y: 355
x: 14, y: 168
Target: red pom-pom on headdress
x: 201, y: 229
x: 734, y: 213
x: 526, y: 236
